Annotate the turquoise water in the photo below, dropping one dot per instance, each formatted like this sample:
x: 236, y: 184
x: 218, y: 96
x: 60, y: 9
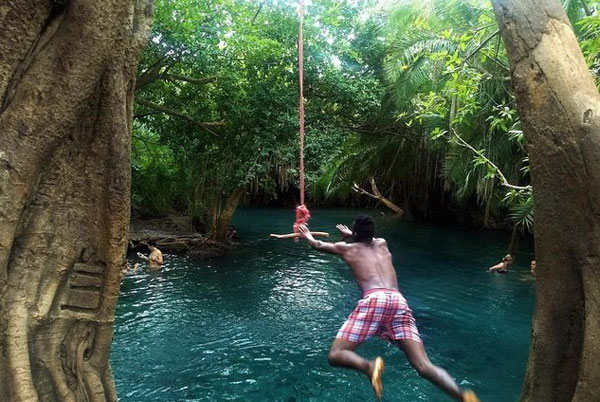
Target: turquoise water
x: 257, y: 324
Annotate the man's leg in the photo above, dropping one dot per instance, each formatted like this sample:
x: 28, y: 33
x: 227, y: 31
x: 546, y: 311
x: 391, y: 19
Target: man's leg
x: 417, y: 357
x: 342, y: 354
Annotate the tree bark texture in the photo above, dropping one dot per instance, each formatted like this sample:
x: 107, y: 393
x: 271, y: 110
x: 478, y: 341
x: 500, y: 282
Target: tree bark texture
x: 559, y: 107
x: 67, y: 71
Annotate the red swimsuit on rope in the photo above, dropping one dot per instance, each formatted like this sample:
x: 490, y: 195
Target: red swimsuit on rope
x: 302, y: 217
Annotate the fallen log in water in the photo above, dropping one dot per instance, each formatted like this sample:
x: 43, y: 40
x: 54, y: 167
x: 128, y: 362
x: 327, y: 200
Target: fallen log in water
x: 175, y: 234
x: 166, y: 242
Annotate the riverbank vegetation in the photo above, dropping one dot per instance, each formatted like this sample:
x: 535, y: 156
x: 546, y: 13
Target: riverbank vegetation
x: 412, y: 99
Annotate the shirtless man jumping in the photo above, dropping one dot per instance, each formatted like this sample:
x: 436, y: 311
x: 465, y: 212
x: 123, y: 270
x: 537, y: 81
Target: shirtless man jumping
x: 382, y: 311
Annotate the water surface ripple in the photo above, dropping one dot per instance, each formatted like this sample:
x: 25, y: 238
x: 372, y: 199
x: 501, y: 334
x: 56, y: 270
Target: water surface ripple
x: 256, y: 325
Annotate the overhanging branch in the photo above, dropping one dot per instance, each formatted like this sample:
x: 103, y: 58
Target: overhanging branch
x: 377, y: 196
x: 257, y: 12
x: 586, y: 8
x: 205, y: 125
x: 152, y: 74
x: 160, y: 71
x: 497, y: 171
x: 485, y: 41
x: 193, y: 80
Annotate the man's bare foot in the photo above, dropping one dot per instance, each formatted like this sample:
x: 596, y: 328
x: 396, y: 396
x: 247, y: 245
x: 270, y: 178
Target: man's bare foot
x: 377, y: 368
x: 469, y: 396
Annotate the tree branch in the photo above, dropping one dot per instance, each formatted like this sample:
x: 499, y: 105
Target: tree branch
x: 193, y: 80
x: 498, y: 62
x: 139, y: 116
x: 485, y: 41
x: 205, y: 125
x: 257, y: 12
x: 151, y: 74
x: 379, y: 131
x: 587, y: 10
x: 145, y: 141
x: 378, y: 196
x: 497, y: 171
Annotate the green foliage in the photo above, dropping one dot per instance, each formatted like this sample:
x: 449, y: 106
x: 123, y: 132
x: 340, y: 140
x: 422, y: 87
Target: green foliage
x: 153, y: 174
x: 387, y: 92
x: 521, y: 209
x: 240, y: 127
x: 446, y: 71
x: 589, y: 32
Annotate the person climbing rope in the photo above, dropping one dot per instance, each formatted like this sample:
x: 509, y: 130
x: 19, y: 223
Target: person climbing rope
x: 382, y: 311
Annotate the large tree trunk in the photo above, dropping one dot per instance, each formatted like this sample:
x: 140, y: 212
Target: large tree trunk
x: 559, y: 107
x: 66, y: 86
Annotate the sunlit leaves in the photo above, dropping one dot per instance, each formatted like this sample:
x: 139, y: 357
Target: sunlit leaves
x: 250, y: 48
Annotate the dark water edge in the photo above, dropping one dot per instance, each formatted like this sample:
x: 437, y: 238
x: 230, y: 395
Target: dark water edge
x: 256, y: 324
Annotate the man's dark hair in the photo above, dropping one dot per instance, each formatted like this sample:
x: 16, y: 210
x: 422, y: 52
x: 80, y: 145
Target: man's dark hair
x: 363, y: 229
x: 151, y: 243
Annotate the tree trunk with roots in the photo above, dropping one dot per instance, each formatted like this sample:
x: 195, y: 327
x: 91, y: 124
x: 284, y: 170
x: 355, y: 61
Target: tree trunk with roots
x: 559, y: 107
x: 67, y: 73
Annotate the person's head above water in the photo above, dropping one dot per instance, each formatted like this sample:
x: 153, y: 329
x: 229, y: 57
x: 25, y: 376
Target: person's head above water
x: 508, y: 258
x: 363, y: 229
x: 151, y: 245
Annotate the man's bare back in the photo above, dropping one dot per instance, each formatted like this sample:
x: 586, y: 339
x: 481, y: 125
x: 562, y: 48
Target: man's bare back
x: 371, y: 264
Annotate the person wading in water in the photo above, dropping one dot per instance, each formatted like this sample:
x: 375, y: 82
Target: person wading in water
x: 502, y: 266
x: 382, y: 311
x: 155, y: 258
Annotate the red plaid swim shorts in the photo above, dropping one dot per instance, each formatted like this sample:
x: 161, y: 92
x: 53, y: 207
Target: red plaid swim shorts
x: 383, y: 313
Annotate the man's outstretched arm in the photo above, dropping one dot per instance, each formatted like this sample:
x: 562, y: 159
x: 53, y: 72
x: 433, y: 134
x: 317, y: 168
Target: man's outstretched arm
x: 331, y: 248
x: 496, y: 267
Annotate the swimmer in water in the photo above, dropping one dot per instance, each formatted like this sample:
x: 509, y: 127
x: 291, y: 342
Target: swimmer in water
x: 155, y: 258
x: 502, y: 266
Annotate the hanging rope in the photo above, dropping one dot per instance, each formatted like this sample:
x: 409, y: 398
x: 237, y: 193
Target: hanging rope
x: 301, y: 78
x: 302, y: 213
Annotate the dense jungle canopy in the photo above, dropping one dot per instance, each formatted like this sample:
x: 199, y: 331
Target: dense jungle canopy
x: 414, y: 96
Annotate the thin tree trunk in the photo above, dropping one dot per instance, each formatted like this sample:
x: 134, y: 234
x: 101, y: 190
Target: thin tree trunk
x: 222, y: 219
x: 66, y: 89
x: 559, y: 107
x: 513, y: 245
